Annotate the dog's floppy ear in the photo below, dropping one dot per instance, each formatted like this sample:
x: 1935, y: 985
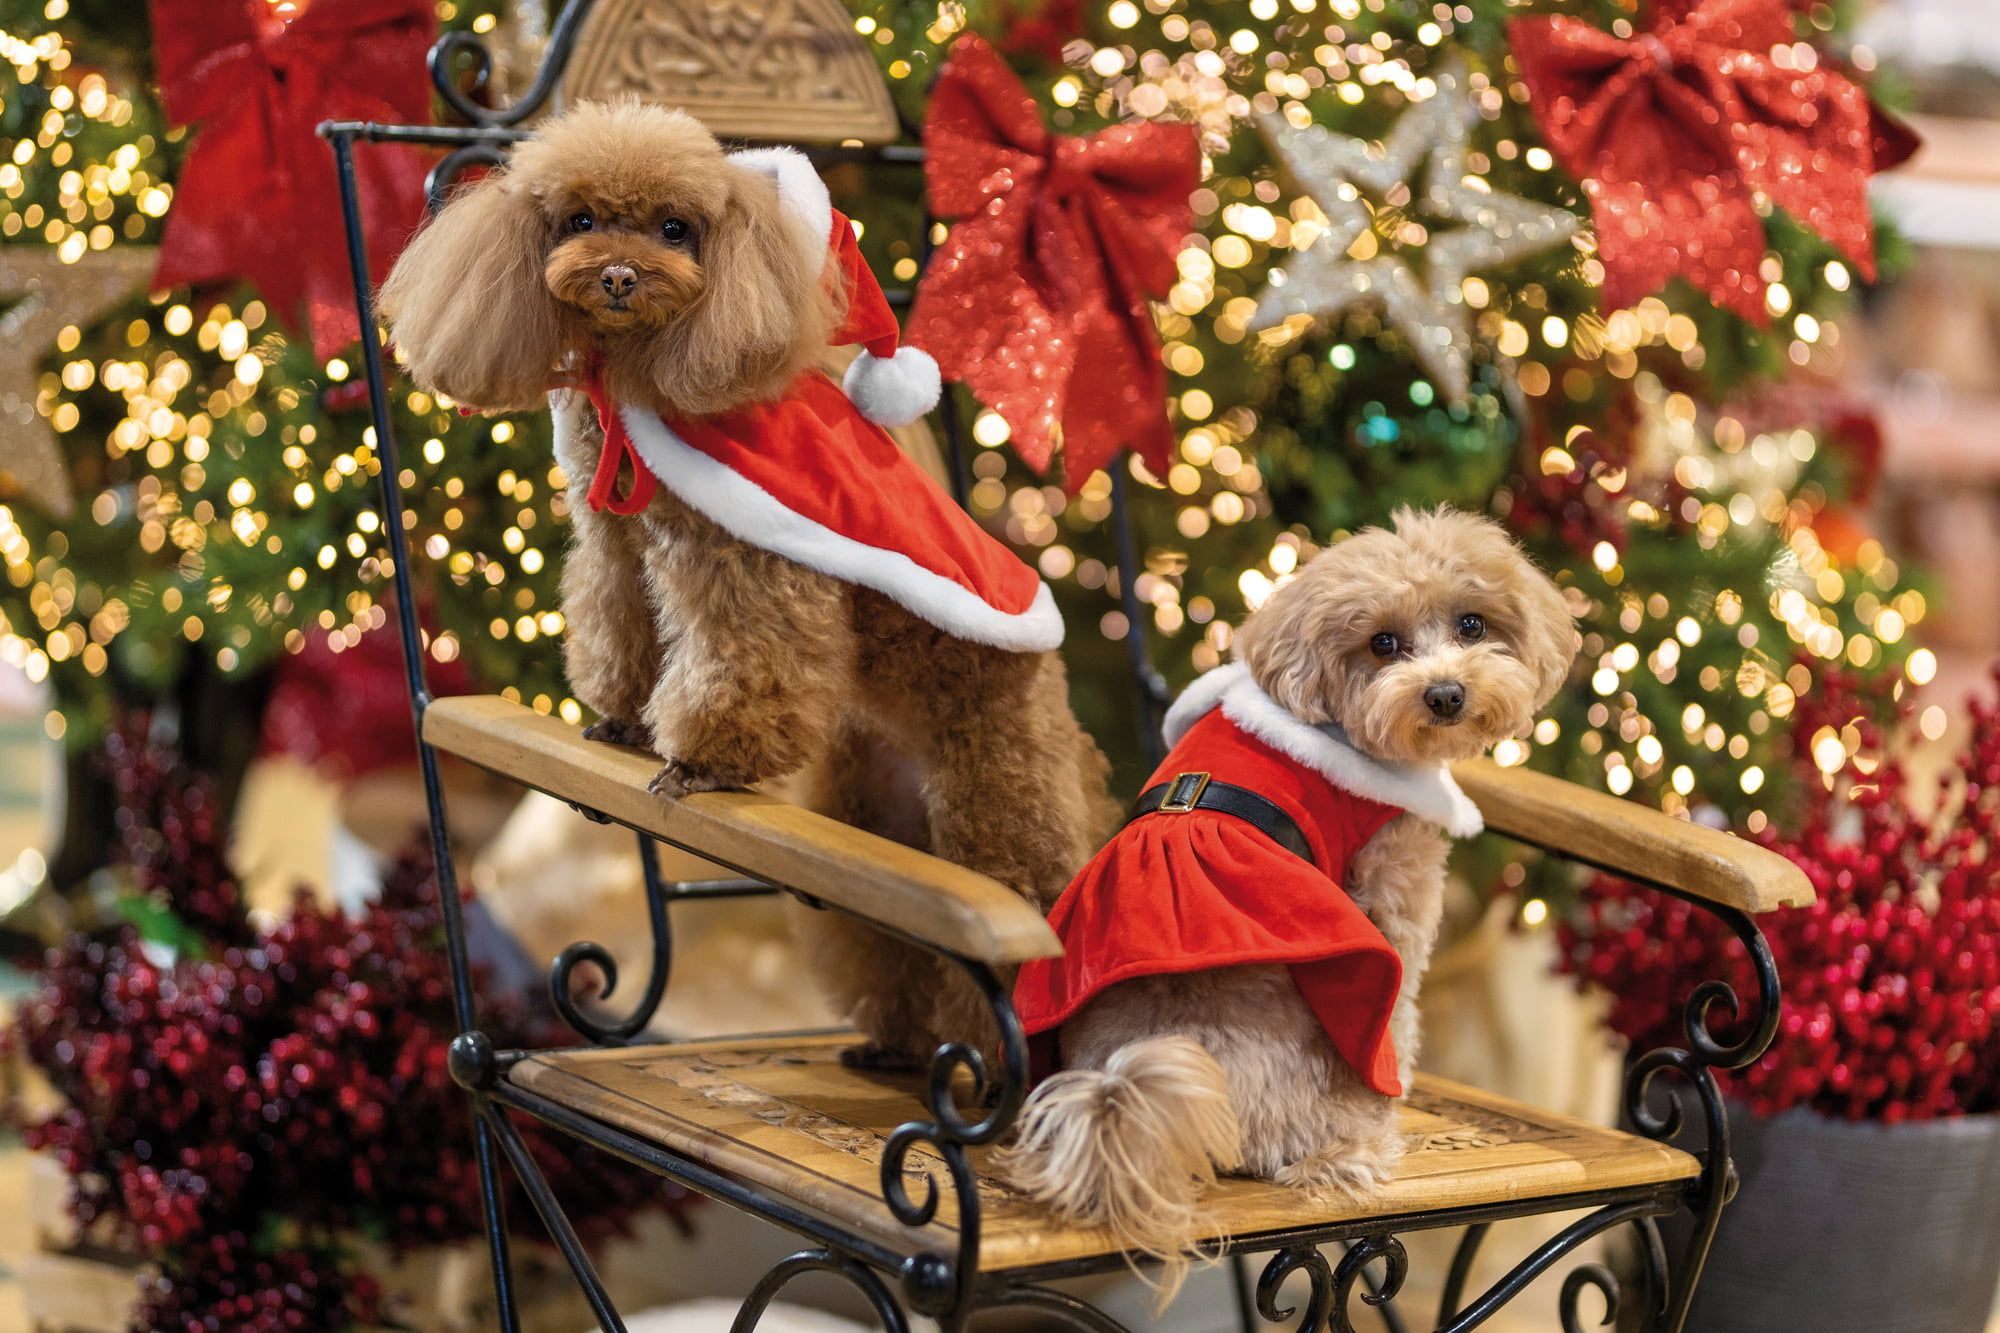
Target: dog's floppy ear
x: 765, y: 311
x: 1548, y: 635
x: 466, y: 303
x: 1288, y: 643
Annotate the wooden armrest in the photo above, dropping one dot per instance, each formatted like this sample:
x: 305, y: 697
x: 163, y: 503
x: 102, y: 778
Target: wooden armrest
x: 758, y: 835
x: 1601, y: 830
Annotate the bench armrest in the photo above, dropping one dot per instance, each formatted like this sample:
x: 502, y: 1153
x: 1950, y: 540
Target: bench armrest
x: 1599, y: 829
x: 762, y: 837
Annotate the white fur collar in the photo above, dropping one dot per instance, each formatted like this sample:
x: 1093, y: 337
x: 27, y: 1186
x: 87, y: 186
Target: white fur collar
x: 753, y: 515
x: 1425, y: 790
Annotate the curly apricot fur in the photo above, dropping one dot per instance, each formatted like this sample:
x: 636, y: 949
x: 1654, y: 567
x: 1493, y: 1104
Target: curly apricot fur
x: 741, y: 666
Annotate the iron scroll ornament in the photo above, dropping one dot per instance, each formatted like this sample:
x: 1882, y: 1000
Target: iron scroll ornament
x: 857, y: 1275
x: 1693, y: 1068
x: 1685, y: 1069
x: 1333, y: 1286
x: 932, y: 1283
x: 601, y: 1031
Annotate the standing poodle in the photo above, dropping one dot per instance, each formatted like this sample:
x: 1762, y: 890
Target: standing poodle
x: 759, y: 582
x: 1239, y: 987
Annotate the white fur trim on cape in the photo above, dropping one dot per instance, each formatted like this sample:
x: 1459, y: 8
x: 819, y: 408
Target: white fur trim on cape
x: 800, y: 190
x: 1426, y: 790
x: 896, y: 390
x: 749, y: 513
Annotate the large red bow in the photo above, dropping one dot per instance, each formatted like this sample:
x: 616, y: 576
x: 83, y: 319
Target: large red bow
x: 1676, y: 130
x: 257, y: 197
x: 1038, y: 299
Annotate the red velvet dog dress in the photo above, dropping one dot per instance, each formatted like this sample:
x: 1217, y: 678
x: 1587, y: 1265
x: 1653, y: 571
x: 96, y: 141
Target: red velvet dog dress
x: 1186, y: 888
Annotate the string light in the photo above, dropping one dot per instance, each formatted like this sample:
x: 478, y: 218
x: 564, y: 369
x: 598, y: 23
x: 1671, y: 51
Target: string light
x: 1746, y: 644
x: 241, y: 471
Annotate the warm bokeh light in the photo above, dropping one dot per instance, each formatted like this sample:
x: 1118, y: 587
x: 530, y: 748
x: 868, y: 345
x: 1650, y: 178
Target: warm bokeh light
x: 235, y: 471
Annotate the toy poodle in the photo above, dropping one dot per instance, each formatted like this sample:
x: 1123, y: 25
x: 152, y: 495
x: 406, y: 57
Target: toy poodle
x: 776, y: 590
x: 1239, y: 988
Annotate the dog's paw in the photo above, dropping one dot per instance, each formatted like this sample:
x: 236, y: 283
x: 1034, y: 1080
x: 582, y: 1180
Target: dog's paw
x: 618, y: 731
x: 1344, y: 1171
x: 678, y: 779
x: 876, y: 1058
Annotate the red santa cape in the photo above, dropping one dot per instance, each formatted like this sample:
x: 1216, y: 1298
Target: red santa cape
x: 1193, y: 891
x: 809, y: 478
x: 813, y: 477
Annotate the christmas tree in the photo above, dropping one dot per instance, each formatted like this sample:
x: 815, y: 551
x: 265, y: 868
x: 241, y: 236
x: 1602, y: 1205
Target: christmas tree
x: 1635, y: 445
x: 1613, y: 403
x: 210, y: 504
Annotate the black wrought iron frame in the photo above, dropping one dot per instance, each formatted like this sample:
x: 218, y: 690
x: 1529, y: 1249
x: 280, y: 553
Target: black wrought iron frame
x: 1662, y: 1089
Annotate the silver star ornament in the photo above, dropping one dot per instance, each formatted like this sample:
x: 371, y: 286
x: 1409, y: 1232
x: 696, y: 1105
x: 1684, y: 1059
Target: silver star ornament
x: 1428, y: 309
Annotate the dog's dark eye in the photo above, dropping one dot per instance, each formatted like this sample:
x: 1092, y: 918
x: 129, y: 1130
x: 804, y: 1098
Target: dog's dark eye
x: 674, y: 231
x: 581, y: 222
x: 1384, y: 645
x: 1471, y: 628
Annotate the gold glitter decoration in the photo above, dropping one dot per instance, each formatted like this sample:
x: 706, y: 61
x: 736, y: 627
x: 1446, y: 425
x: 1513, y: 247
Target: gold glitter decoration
x: 1346, y: 265
x: 43, y: 296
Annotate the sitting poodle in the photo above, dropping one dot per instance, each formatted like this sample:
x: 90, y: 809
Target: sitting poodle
x: 1239, y: 984
x: 759, y: 581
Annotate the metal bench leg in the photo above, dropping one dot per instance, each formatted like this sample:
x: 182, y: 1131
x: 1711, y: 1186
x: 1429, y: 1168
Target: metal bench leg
x: 551, y: 1213
x: 496, y: 1227
x: 1461, y: 1269
x: 1239, y: 1281
x: 390, y: 507
x: 1677, y: 1072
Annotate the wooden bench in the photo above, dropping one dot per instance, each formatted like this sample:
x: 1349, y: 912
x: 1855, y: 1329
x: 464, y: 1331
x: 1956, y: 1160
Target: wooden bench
x: 764, y: 838
x: 785, y: 1114
x: 779, y: 1126
x: 884, y: 1176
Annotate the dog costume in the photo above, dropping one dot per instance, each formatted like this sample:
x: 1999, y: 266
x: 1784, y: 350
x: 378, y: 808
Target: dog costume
x: 814, y: 477
x: 1235, y: 857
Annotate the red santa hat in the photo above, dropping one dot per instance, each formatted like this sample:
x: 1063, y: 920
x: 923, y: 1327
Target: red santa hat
x: 890, y: 384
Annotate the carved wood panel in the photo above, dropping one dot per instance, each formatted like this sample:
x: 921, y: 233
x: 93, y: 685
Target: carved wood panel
x: 757, y: 69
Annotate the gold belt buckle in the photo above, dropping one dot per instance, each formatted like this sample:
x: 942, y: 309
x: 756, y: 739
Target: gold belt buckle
x: 1183, y: 793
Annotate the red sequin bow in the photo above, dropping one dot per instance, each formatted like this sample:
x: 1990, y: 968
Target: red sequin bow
x: 257, y: 197
x: 1038, y: 299
x: 1674, y: 132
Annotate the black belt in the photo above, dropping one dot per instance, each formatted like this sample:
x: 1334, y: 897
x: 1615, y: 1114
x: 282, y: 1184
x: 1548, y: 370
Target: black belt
x: 1187, y: 792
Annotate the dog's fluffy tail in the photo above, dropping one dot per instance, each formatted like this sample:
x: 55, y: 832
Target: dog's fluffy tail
x: 1130, y: 1147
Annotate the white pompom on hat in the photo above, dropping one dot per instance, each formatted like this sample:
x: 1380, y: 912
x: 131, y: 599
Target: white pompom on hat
x: 888, y: 383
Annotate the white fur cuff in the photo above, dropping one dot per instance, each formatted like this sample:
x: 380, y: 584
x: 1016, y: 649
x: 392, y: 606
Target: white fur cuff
x: 895, y: 391
x: 752, y: 514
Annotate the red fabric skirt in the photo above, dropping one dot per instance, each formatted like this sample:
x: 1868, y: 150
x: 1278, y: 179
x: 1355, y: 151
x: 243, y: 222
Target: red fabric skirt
x: 1175, y: 893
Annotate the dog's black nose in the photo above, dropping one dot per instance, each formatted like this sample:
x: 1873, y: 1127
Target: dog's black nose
x: 1445, y: 698
x: 619, y: 279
